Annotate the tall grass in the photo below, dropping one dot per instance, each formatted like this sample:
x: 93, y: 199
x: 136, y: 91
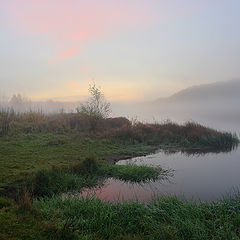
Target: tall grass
x: 133, y: 173
x: 189, y: 135
x: 161, y: 219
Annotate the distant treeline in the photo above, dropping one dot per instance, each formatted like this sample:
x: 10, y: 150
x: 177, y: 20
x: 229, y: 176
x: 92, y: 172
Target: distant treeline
x: 21, y: 104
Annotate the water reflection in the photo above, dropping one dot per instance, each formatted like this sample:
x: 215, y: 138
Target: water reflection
x: 198, y: 151
x: 118, y: 191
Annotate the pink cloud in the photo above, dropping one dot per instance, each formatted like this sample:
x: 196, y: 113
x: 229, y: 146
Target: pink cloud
x: 71, y: 23
x: 63, y: 54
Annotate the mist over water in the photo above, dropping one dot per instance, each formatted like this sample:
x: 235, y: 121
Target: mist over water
x: 219, y: 120
x: 213, y: 105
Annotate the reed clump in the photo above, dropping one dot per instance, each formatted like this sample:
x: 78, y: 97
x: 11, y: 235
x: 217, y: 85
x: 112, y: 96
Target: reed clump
x: 189, y: 135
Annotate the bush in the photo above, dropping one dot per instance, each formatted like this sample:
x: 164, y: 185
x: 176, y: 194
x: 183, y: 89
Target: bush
x: 95, y: 109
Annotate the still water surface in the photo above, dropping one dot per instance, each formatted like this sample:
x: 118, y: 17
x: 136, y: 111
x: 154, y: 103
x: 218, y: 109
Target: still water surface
x: 197, y: 176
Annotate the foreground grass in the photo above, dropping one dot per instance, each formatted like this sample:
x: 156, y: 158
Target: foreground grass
x: 161, y: 219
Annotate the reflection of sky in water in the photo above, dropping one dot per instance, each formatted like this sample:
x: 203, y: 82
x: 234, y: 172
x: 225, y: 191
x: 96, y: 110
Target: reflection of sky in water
x: 201, y: 176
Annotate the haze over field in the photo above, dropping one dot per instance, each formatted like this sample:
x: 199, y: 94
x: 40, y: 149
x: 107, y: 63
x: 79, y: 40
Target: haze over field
x: 215, y: 105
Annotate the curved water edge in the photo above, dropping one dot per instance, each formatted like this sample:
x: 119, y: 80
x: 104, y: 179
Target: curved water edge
x: 197, y: 175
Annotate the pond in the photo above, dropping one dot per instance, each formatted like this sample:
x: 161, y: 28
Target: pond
x: 199, y: 176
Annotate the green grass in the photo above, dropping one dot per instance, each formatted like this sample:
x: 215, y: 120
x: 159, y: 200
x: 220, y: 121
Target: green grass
x: 25, y: 153
x: 161, y: 219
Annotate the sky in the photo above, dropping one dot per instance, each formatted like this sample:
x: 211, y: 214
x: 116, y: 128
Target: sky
x: 135, y: 50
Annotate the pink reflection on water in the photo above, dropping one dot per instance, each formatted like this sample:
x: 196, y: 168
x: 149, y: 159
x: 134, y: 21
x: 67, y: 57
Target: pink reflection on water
x: 118, y: 191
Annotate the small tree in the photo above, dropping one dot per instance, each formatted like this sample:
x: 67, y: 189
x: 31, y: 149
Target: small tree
x: 96, y: 108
